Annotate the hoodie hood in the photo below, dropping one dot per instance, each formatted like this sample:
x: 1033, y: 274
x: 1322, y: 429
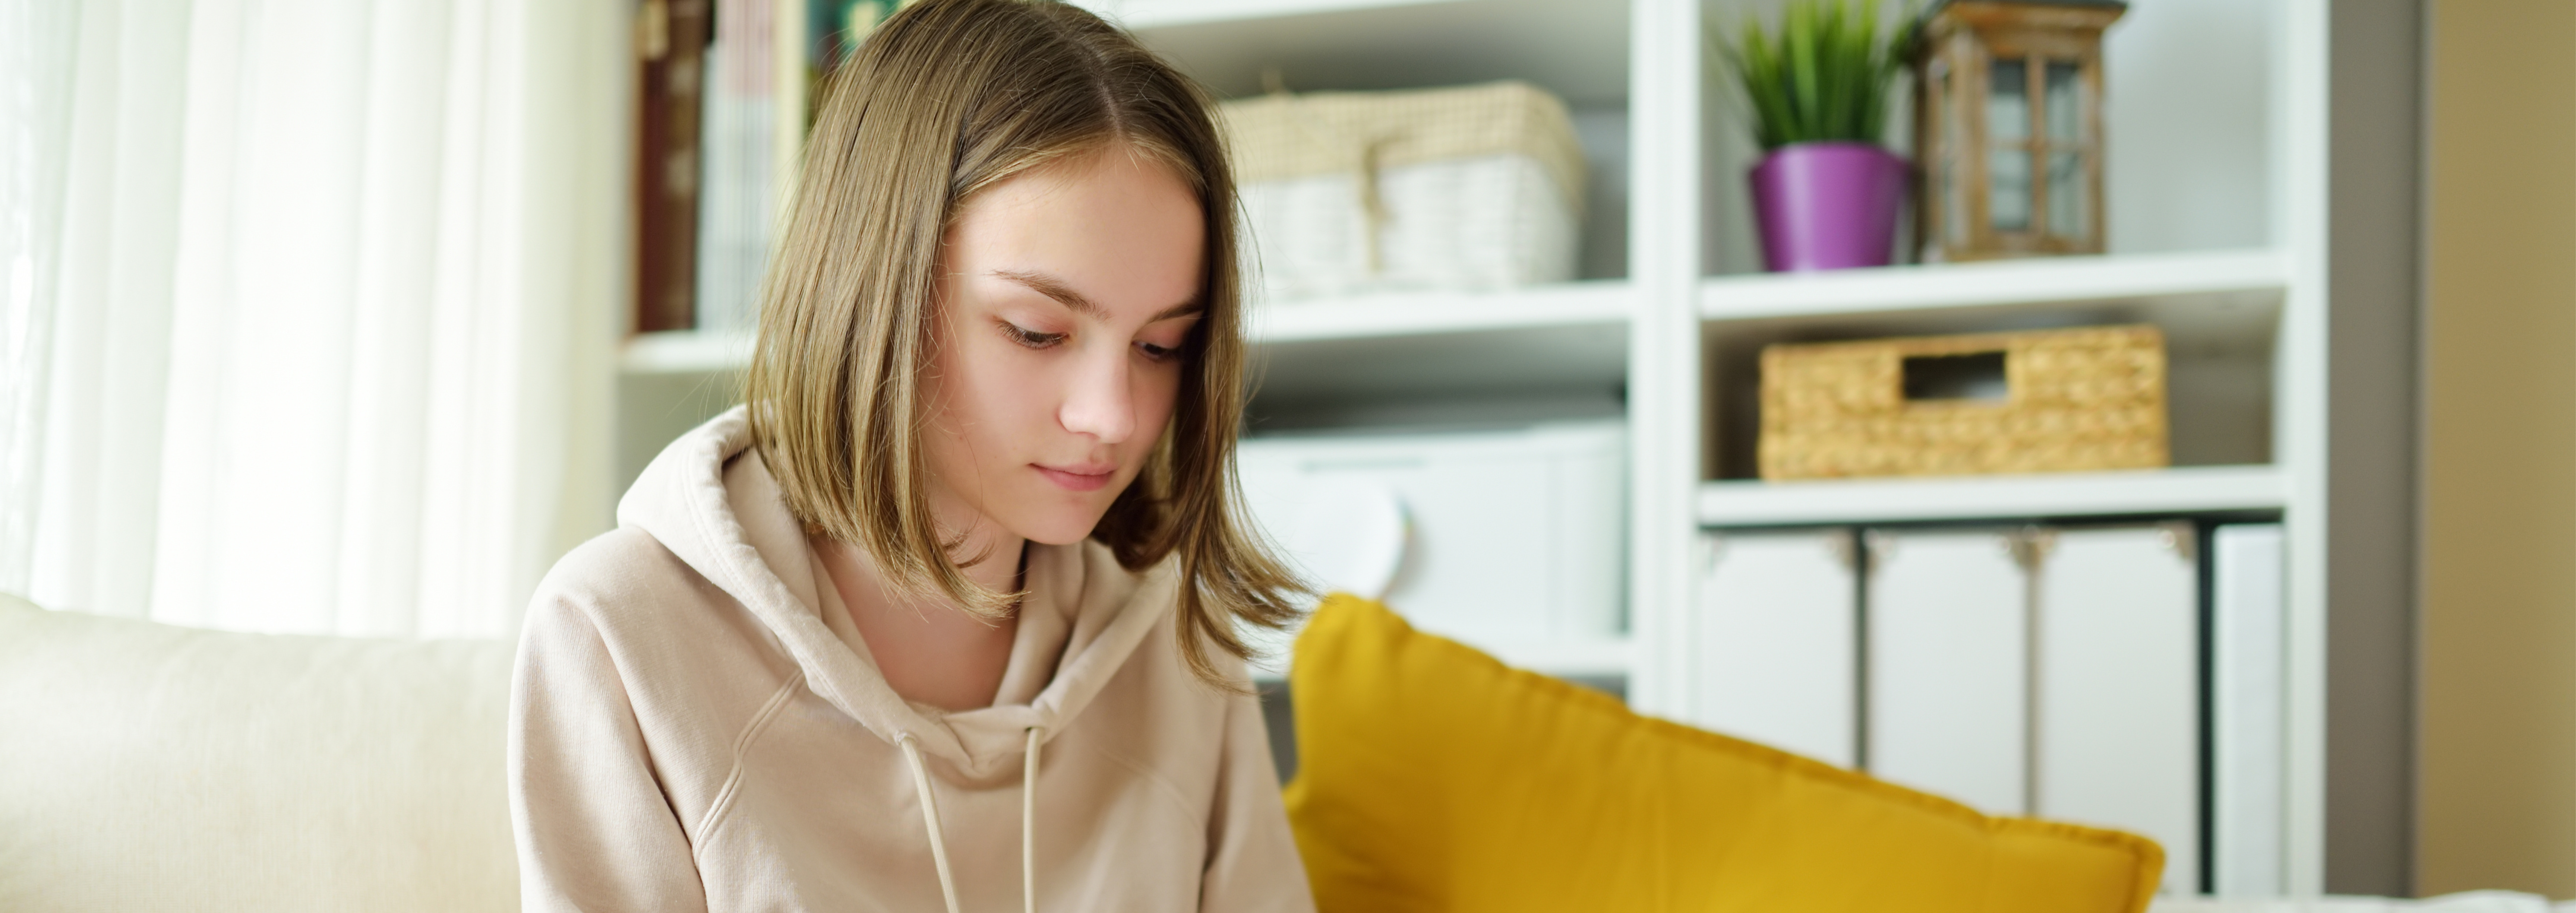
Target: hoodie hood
x: 710, y: 500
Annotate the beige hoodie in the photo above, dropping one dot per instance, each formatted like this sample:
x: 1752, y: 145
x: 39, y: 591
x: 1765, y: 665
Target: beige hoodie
x: 695, y: 725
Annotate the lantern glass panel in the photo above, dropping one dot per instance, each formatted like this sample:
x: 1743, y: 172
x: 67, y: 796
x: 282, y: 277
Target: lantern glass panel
x: 2068, y: 214
x: 2008, y: 100
x: 1949, y: 204
x: 2008, y: 165
x: 2065, y: 100
x: 2008, y: 177
x: 1954, y: 208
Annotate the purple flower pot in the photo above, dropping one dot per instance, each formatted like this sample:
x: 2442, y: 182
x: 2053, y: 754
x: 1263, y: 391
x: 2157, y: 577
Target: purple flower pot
x: 1827, y: 205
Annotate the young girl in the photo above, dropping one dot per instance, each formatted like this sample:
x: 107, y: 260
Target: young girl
x: 946, y: 615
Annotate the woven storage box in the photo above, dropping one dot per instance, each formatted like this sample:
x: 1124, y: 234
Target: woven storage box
x: 2079, y: 399
x: 1477, y: 187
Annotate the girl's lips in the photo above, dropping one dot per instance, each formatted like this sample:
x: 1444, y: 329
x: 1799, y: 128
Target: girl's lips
x: 1078, y: 478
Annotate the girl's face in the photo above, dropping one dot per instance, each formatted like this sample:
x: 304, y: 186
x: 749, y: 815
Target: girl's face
x: 1066, y: 295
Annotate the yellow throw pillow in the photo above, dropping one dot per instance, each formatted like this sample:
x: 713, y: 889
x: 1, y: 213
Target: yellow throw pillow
x: 1432, y: 778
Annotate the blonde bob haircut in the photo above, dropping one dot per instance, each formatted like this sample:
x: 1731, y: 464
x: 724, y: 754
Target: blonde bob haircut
x: 948, y: 98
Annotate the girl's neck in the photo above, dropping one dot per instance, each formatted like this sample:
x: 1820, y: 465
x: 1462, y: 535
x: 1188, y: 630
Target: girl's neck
x: 930, y: 649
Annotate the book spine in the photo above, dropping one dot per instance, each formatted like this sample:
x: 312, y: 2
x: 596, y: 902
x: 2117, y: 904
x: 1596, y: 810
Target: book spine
x: 671, y: 42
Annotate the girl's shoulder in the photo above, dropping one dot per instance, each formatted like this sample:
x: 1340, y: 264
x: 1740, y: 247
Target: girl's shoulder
x: 633, y: 590
x: 618, y: 568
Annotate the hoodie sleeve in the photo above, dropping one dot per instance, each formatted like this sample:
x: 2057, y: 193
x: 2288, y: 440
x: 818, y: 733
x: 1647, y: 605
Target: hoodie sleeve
x: 1252, y: 857
x: 594, y: 829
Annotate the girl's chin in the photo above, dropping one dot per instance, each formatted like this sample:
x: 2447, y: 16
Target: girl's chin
x: 1057, y: 537
x: 1065, y: 529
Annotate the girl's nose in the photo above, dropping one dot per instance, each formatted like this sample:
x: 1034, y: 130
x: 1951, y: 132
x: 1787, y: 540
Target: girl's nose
x: 1098, y: 401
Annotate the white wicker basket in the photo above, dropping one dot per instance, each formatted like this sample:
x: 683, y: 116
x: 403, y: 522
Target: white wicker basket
x: 1478, y: 187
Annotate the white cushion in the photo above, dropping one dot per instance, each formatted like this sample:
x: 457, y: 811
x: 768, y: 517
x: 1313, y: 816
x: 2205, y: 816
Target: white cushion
x: 150, y: 767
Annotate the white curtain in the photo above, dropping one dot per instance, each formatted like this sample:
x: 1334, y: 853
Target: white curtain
x: 310, y: 305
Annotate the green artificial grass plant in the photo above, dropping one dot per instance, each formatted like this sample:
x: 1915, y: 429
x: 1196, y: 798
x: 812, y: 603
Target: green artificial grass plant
x: 1825, y: 77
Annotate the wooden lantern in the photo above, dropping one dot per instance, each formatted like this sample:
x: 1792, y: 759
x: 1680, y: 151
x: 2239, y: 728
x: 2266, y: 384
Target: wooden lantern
x: 2008, y: 127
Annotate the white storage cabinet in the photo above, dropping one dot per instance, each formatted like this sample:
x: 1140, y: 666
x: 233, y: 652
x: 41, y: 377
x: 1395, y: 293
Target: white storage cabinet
x: 1507, y: 538
x: 2056, y: 671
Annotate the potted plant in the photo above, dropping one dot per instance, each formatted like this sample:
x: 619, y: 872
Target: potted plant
x: 1826, y: 192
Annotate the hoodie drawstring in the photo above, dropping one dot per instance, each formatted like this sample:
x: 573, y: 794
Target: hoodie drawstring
x: 930, y: 820
x: 1029, y: 826
x: 939, y: 843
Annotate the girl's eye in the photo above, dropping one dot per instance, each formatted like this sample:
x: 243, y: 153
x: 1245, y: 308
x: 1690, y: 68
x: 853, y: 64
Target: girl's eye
x: 1028, y: 337
x: 1158, y: 353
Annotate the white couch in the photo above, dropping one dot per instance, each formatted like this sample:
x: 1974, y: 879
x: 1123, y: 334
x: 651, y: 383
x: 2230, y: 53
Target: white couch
x: 145, y: 767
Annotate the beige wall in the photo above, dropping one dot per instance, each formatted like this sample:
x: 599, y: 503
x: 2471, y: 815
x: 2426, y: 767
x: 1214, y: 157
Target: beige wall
x: 2497, y: 789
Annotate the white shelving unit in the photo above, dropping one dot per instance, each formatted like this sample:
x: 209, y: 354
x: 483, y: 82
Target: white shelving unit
x: 2219, y: 232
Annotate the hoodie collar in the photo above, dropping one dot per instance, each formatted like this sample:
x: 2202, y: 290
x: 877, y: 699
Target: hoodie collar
x: 711, y: 501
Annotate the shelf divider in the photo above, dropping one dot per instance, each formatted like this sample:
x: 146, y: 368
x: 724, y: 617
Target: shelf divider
x: 684, y: 352
x: 1376, y: 316
x: 2002, y: 283
x: 1436, y: 313
x: 1586, y: 658
x: 2187, y: 489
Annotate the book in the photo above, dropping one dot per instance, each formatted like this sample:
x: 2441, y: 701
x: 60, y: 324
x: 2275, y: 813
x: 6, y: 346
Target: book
x: 671, y: 40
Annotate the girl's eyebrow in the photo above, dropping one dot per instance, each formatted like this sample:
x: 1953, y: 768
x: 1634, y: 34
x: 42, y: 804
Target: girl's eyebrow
x: 1055, y: 288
